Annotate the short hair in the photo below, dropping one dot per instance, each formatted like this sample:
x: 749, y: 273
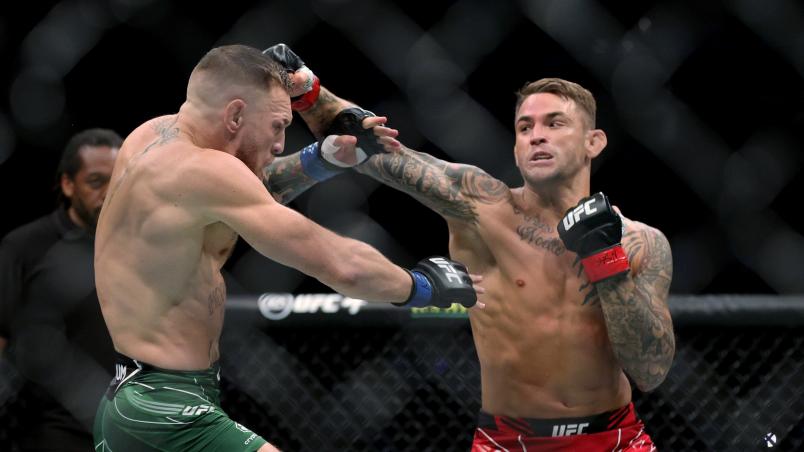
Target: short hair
x: 70, y: 162
x: 564, y: 89
x: 244, y: 65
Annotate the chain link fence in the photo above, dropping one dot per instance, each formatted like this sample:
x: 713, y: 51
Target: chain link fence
x: 737, y: 378
x: 386, y: 380
x: 703, y: 103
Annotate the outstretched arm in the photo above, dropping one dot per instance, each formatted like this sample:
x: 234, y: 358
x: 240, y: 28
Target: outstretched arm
x: 635, y: 308
x: 284, y: 177
x: 320, y: 115
x: 451, y: 189
x: 225, y: 191
x: 287, y: 177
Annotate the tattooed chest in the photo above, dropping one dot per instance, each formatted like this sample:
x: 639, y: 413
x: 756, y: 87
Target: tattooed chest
x: 560, y: 267
x: 538, y: 233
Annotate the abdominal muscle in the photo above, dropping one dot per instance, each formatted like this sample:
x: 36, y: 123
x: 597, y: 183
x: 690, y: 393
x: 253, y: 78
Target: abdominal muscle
x: 544, y: 358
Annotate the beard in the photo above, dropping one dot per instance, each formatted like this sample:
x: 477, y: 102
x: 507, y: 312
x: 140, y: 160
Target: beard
x: 87, y: 215
x: 247, y: 153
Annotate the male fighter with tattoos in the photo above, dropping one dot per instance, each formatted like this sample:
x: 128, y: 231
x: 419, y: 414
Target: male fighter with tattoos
x: 183, y: 188
x: 576, y: 293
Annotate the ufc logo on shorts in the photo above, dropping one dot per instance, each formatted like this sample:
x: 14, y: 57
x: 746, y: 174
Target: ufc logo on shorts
x: 119, y: 371
x: 451, y: 274
x: 574, y: 216
x: 569, y: 429
x: 196, y: 410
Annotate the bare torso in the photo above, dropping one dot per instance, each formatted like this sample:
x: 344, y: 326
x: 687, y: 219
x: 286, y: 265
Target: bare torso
x: 157, y: 264
x: 541, y: 340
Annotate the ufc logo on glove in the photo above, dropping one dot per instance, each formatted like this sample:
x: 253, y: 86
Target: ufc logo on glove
x: 594, y: 231
x: 574, y: 216
x: 450, y: 273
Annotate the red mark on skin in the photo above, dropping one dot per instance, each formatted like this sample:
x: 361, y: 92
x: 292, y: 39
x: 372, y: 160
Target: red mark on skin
x: 520, y: 283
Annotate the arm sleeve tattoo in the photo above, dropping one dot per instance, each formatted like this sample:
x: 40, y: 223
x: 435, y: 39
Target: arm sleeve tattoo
x: 285, y: 179
x: 635, y: 309
x: 450, y: 189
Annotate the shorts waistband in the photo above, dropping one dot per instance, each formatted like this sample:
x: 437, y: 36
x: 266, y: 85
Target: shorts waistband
x: 126, y: 365
x: 610, y: 420
x: 127, y: 370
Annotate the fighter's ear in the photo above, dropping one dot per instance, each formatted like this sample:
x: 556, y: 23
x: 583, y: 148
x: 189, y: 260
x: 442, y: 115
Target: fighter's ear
x: 233, y: 115
x: 596, y: 140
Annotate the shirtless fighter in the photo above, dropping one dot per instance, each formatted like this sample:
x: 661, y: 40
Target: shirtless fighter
x: 183, y: 188
x: 576, y: 294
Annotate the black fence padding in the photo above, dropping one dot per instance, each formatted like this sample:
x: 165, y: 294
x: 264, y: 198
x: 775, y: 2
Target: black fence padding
x: 418, y: 388
x: 383, y: 380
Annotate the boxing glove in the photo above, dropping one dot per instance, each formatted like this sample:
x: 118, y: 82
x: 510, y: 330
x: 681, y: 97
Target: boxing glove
x: 438, y: 281
x: 594, y: 231
x: 282, y: 54
x: 350, y: 122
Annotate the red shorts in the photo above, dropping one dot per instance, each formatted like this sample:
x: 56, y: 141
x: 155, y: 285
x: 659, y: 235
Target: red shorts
x: 617, y: 430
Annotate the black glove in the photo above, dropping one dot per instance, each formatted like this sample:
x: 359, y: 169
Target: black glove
x: 438, y: 281
x: 350, y: 122
x: 594, y: 230
x: 282, y: 54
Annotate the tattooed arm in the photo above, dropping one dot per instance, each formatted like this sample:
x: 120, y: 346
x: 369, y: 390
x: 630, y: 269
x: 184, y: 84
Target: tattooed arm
x: 284, y: 177
x: 635, y: 308
x: 450, y: 189
x: 321, y: 114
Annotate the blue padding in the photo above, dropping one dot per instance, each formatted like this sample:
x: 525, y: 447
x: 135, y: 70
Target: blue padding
x: 314, y: 166
x: 423, y: 291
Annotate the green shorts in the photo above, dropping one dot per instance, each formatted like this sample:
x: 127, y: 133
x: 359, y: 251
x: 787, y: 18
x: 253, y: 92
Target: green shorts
x: 152, y: 409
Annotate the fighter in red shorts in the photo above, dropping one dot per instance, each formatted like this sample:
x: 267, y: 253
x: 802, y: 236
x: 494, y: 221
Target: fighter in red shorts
x: 616, y: 430
x: 576, y: 294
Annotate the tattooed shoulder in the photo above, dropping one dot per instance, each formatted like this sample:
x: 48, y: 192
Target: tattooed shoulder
x: 166, y: 128
x: 480, y: 185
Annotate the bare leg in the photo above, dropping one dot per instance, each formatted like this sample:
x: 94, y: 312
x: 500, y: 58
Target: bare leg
x: 268, y: 448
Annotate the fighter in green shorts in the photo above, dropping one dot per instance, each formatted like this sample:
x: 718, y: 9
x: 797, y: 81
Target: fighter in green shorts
x: 184, y: 188
x: 150, y: 409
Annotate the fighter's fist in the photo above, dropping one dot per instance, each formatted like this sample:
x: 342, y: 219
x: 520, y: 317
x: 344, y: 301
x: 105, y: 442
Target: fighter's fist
x: 351, y: 121
x: 282, y: 54
x: 438, y: 281
x: 306, y: 85
x: 594, y: 230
